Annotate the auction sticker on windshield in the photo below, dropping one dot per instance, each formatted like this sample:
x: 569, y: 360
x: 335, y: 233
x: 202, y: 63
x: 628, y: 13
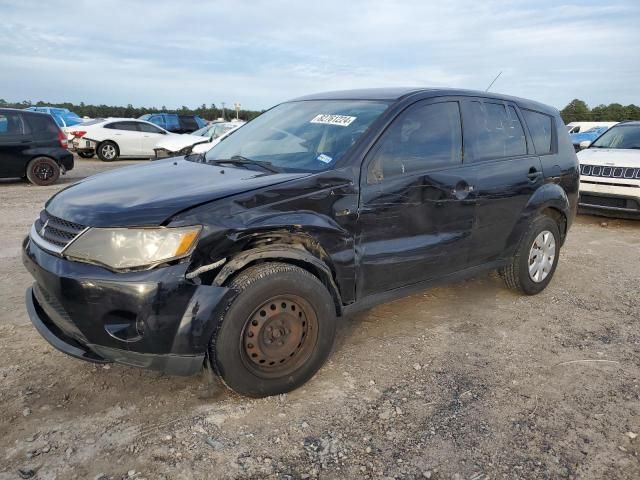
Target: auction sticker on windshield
x: 327, y: 119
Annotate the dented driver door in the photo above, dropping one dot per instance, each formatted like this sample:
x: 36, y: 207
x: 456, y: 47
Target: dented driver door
x: 417, y: 201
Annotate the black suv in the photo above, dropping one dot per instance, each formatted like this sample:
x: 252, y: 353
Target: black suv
x: 32, y: 146
x: 245, y: 258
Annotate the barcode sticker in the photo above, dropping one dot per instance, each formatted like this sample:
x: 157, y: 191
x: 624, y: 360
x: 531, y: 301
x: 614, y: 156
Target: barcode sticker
x: 328, y: 119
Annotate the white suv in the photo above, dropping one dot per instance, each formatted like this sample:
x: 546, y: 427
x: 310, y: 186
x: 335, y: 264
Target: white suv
x: 610, y: 173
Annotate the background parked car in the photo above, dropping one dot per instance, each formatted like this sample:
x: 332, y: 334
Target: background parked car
x: 112, y: 138
x: 32, y: 146
x: 579, y: 127
x: 207, y: 137
x: 175, y: 123
x: 63, y: 117
x: 588, y: 136
x: 610, y: 173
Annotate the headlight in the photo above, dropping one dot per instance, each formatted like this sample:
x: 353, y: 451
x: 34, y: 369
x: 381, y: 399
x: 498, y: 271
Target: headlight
x: 120, y: 248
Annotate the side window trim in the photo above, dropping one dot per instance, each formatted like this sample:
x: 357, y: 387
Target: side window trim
x: 525, y: 129
x: 377, y: 144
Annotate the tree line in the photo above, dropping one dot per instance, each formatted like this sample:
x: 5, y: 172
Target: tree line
x: 210, y: 112
x: 577, y: 110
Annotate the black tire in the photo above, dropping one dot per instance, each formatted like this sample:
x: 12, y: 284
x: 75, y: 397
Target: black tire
x: 516, y: 273
x: 108, y: 151
x: 276, y: 288
x: 86, y: 154
x: 43, y: 171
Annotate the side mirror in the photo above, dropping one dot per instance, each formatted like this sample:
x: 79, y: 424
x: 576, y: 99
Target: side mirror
x: 585, y: 144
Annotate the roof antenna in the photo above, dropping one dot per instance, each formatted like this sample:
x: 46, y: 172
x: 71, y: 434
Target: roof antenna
x: 494, y: 81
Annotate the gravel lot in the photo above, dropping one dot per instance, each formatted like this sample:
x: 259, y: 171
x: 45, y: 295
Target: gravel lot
x: 468, y: 381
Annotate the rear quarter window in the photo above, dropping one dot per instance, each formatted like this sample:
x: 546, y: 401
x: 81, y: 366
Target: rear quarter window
x: 42, y: 124
x: 541, y: 130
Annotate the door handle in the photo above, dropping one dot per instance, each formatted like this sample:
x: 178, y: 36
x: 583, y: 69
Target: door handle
x: 533, y: 174
x: 462, y: 190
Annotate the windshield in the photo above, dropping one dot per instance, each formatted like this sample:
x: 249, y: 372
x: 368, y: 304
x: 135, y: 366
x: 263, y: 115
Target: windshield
x: 620, y: 136
x: 304, y: 136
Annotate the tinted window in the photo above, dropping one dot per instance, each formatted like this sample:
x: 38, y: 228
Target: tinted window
x: 424, y: 137
x: 129, y: 126
x: 188, y: 123
x: 11, y: 124
x: 148, y: 128
x: 494, y: 131
x: 540, y: 128
x: 171, y: 122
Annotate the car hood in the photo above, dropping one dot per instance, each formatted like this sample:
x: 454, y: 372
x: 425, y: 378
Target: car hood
x: 610, y: 157
x: 175, y: 143
x: 149, y: 194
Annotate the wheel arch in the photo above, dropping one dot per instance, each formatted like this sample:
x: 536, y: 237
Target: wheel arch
x: 35, y: 155
x: 550, y: 200
x: 297, y: 248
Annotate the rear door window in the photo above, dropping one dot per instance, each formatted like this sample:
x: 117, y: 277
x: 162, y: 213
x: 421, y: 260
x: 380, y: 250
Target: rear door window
x: 541, y: 130
x: 494, y: 131
x: 11, y: 124
x: 172, y: 122
x: 129, y: 126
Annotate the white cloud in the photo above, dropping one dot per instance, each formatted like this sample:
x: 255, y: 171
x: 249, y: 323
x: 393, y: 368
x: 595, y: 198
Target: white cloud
x: 259, y: 53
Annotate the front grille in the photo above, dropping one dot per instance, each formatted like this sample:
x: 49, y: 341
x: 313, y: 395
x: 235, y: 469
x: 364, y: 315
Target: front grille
x: 610, y: 172
x: 55, y: 230
x: 612, y: 202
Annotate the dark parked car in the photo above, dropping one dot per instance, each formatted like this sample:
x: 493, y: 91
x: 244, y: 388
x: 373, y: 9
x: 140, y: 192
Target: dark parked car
x: 32, y: 146
x: 244, y: 259
x: 175, y: 123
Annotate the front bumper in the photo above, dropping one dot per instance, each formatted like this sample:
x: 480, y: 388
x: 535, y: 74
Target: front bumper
x: 620, y: 200
x: 154, y: 319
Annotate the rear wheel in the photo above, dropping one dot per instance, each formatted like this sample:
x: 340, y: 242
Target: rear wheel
x: 86, y: 154
x: 43, y: 171
x: 277, y: 332
x: 532, y: 267
x: 108, y: 151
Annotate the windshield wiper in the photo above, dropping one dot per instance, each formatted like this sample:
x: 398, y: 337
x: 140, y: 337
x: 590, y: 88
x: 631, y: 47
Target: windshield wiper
x: 240, y: 160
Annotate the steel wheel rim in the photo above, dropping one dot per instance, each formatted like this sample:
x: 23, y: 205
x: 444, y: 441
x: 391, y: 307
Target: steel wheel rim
x: 541, y: 256
x: 279, y: 336
x: 108, y: 151
x: 43, y: 171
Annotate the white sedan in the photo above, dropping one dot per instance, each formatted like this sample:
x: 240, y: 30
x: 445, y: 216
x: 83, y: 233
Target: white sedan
x: 113, y: 138
x: 197, y: 142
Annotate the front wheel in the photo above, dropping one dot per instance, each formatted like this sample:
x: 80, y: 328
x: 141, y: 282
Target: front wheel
x: 532, y: 267
x: 86, y: 154
x: 277, y: 332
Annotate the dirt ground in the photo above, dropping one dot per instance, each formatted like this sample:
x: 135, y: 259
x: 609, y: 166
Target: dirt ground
x: 468, y: 381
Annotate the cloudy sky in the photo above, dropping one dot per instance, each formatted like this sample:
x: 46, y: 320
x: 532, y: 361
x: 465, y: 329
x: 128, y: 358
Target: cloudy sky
x: 175, y: 53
